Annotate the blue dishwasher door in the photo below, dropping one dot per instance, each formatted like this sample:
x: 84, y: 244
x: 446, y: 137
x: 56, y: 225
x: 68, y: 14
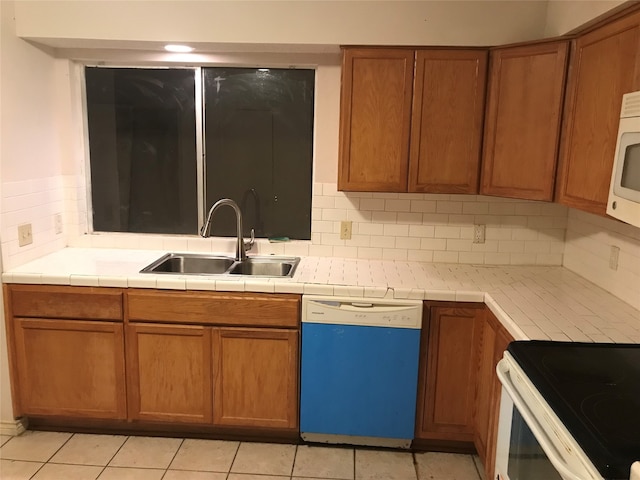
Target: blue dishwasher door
x: 359, y: 380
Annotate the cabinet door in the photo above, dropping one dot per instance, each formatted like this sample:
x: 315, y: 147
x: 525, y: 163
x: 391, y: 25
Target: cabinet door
x: 70, y: 368
x: 484, y: 386
x: 375, y: 116
x: 256, y: 377
x: 489, y: 391
x: 446, y: 400
x: 605, y: 64
x: 446, y: 121
x: 522, y: 126
x: 169, y: 373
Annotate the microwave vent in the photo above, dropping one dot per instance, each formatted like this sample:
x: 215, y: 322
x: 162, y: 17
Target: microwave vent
x: 630, y: 105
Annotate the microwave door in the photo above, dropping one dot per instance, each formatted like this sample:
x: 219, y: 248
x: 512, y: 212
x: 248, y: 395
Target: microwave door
x: 627, y: 175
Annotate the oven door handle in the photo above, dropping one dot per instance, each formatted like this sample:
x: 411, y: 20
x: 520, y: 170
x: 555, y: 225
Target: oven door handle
x: 549, y: 448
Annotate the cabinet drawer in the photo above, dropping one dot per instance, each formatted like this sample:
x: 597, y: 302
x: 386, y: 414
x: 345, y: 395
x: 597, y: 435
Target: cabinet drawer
x: 211, y: 308
x: 83, y: 303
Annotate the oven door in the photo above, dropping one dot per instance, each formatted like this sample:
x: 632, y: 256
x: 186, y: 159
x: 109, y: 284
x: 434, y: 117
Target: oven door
x: 532, y: 443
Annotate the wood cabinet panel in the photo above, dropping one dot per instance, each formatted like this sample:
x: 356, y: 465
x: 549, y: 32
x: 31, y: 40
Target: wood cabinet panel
x: 447, y: 119
x: 522, y: 125
x: 446, y: 400
x: 495, y: 340
x: 246, y: 309
x: 70, y: 368
x: 169, y: 373
x: 375, y: 116
x: 256, y: 377
x: 45, y: 301
x: 605, y: 64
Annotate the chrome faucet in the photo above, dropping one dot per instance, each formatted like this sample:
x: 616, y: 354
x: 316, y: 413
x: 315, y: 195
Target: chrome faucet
x: 241, y: 245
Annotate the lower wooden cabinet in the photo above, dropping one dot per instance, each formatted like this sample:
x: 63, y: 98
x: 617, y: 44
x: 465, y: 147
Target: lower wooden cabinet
x: 169, y: 373
x: 69, y: 368
x: 256, y: 377
x: 493, y: 343
x: 449, y: 360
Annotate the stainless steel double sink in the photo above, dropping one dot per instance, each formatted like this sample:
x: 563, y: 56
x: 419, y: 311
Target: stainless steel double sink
x: 203, y: 264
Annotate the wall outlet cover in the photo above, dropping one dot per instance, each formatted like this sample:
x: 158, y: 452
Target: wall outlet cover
x: 478, y: 233
x: 345, y: 230
x: 25, y: 235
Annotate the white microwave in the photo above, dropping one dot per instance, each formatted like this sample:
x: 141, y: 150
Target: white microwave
x: 624, y: 189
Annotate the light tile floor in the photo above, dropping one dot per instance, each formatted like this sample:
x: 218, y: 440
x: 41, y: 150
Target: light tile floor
x: 65, y: 456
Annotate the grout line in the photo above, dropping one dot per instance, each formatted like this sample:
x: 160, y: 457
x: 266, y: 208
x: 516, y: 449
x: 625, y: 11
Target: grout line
x: 174, y: 455
x: 235, y: 455
x: 293, y: 464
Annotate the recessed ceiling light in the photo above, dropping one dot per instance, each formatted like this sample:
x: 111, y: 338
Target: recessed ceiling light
x: 178, y: 48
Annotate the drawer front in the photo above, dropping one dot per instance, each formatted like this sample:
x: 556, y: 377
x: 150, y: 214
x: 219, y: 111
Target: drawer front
x: 82, y: 303
x: 213, y: 308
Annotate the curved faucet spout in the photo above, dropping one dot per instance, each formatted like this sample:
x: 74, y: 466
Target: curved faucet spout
x: 206, y: 228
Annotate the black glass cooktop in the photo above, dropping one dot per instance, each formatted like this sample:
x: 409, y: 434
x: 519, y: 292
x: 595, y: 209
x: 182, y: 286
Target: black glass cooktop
x: 594, y: 389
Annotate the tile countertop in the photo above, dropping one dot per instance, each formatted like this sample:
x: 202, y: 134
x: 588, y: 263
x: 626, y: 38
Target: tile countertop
x: 533, y: 303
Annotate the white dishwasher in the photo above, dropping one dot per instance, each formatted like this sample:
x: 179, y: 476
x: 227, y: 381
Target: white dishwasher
x: 359, y: 370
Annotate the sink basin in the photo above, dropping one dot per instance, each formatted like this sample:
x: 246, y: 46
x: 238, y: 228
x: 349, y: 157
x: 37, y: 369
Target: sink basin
x: 190, y: 263
x: 265, y: 267
x: 203, y: 264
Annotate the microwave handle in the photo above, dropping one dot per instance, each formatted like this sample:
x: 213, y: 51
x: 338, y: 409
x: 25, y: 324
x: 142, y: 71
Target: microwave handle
x: 549, y: 448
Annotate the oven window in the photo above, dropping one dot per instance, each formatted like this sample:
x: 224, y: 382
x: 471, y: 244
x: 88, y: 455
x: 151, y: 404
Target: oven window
x: 527, y: 460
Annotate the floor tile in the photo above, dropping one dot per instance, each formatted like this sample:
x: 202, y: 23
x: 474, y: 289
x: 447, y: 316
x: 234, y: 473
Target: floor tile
x: 245, y: 476
x: 53, y: 471
x: 117, y: 473
x: 205, y: 455
x: 4, y: 439
x: 18, y: 470
x: 264, y: 458
x: 384, y: 465
x: 33, y: 446
x: 445, y: 466
x: 479, y: 466
x: 324, y: 462
x: 187, y: 475
x: 146, y: 452
x: 89, y: 449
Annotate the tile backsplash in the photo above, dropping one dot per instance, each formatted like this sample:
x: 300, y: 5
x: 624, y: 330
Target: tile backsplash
x: 37, y: 201
x: 588, y: 250
x: 392, y: 226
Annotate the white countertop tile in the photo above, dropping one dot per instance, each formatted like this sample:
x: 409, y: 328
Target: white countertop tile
x: 532, y: 302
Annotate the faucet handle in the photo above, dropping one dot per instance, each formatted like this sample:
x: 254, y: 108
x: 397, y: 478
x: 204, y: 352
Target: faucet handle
x: 249, y: 245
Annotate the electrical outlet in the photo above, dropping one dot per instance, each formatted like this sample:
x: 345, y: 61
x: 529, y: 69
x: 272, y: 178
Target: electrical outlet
x: 613, y: 257
x: 345, y: 230
x: 25, y: 236
x: 478, y: 233
x: 57, y: 223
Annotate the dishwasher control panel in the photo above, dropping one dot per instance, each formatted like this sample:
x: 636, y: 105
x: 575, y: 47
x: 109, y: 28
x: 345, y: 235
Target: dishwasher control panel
x: 362, y: 311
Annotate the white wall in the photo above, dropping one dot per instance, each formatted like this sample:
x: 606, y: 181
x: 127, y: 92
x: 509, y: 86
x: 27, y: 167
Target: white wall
x: 566, y: 15
x: 308, y: 22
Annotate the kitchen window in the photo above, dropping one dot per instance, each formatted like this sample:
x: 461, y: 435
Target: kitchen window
x: 147, y: 127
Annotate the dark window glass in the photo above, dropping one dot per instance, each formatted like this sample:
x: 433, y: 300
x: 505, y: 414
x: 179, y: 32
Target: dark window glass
x: 259, y: 146
x: 142, y: 135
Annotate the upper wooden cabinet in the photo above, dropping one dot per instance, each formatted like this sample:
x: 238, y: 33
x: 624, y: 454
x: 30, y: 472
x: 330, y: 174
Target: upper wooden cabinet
x: 523, y: 117
x: 605, y: 64
x: 375, y: 117
x: 387, y: 116
x: 446, y: 121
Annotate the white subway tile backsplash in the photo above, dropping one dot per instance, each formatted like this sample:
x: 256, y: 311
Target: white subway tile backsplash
x: 396, y: 230
x: 397, y: 205
x: 411, y: 226
x: 447, y: 206
x: 372, y: 204
x: 423, y: 206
